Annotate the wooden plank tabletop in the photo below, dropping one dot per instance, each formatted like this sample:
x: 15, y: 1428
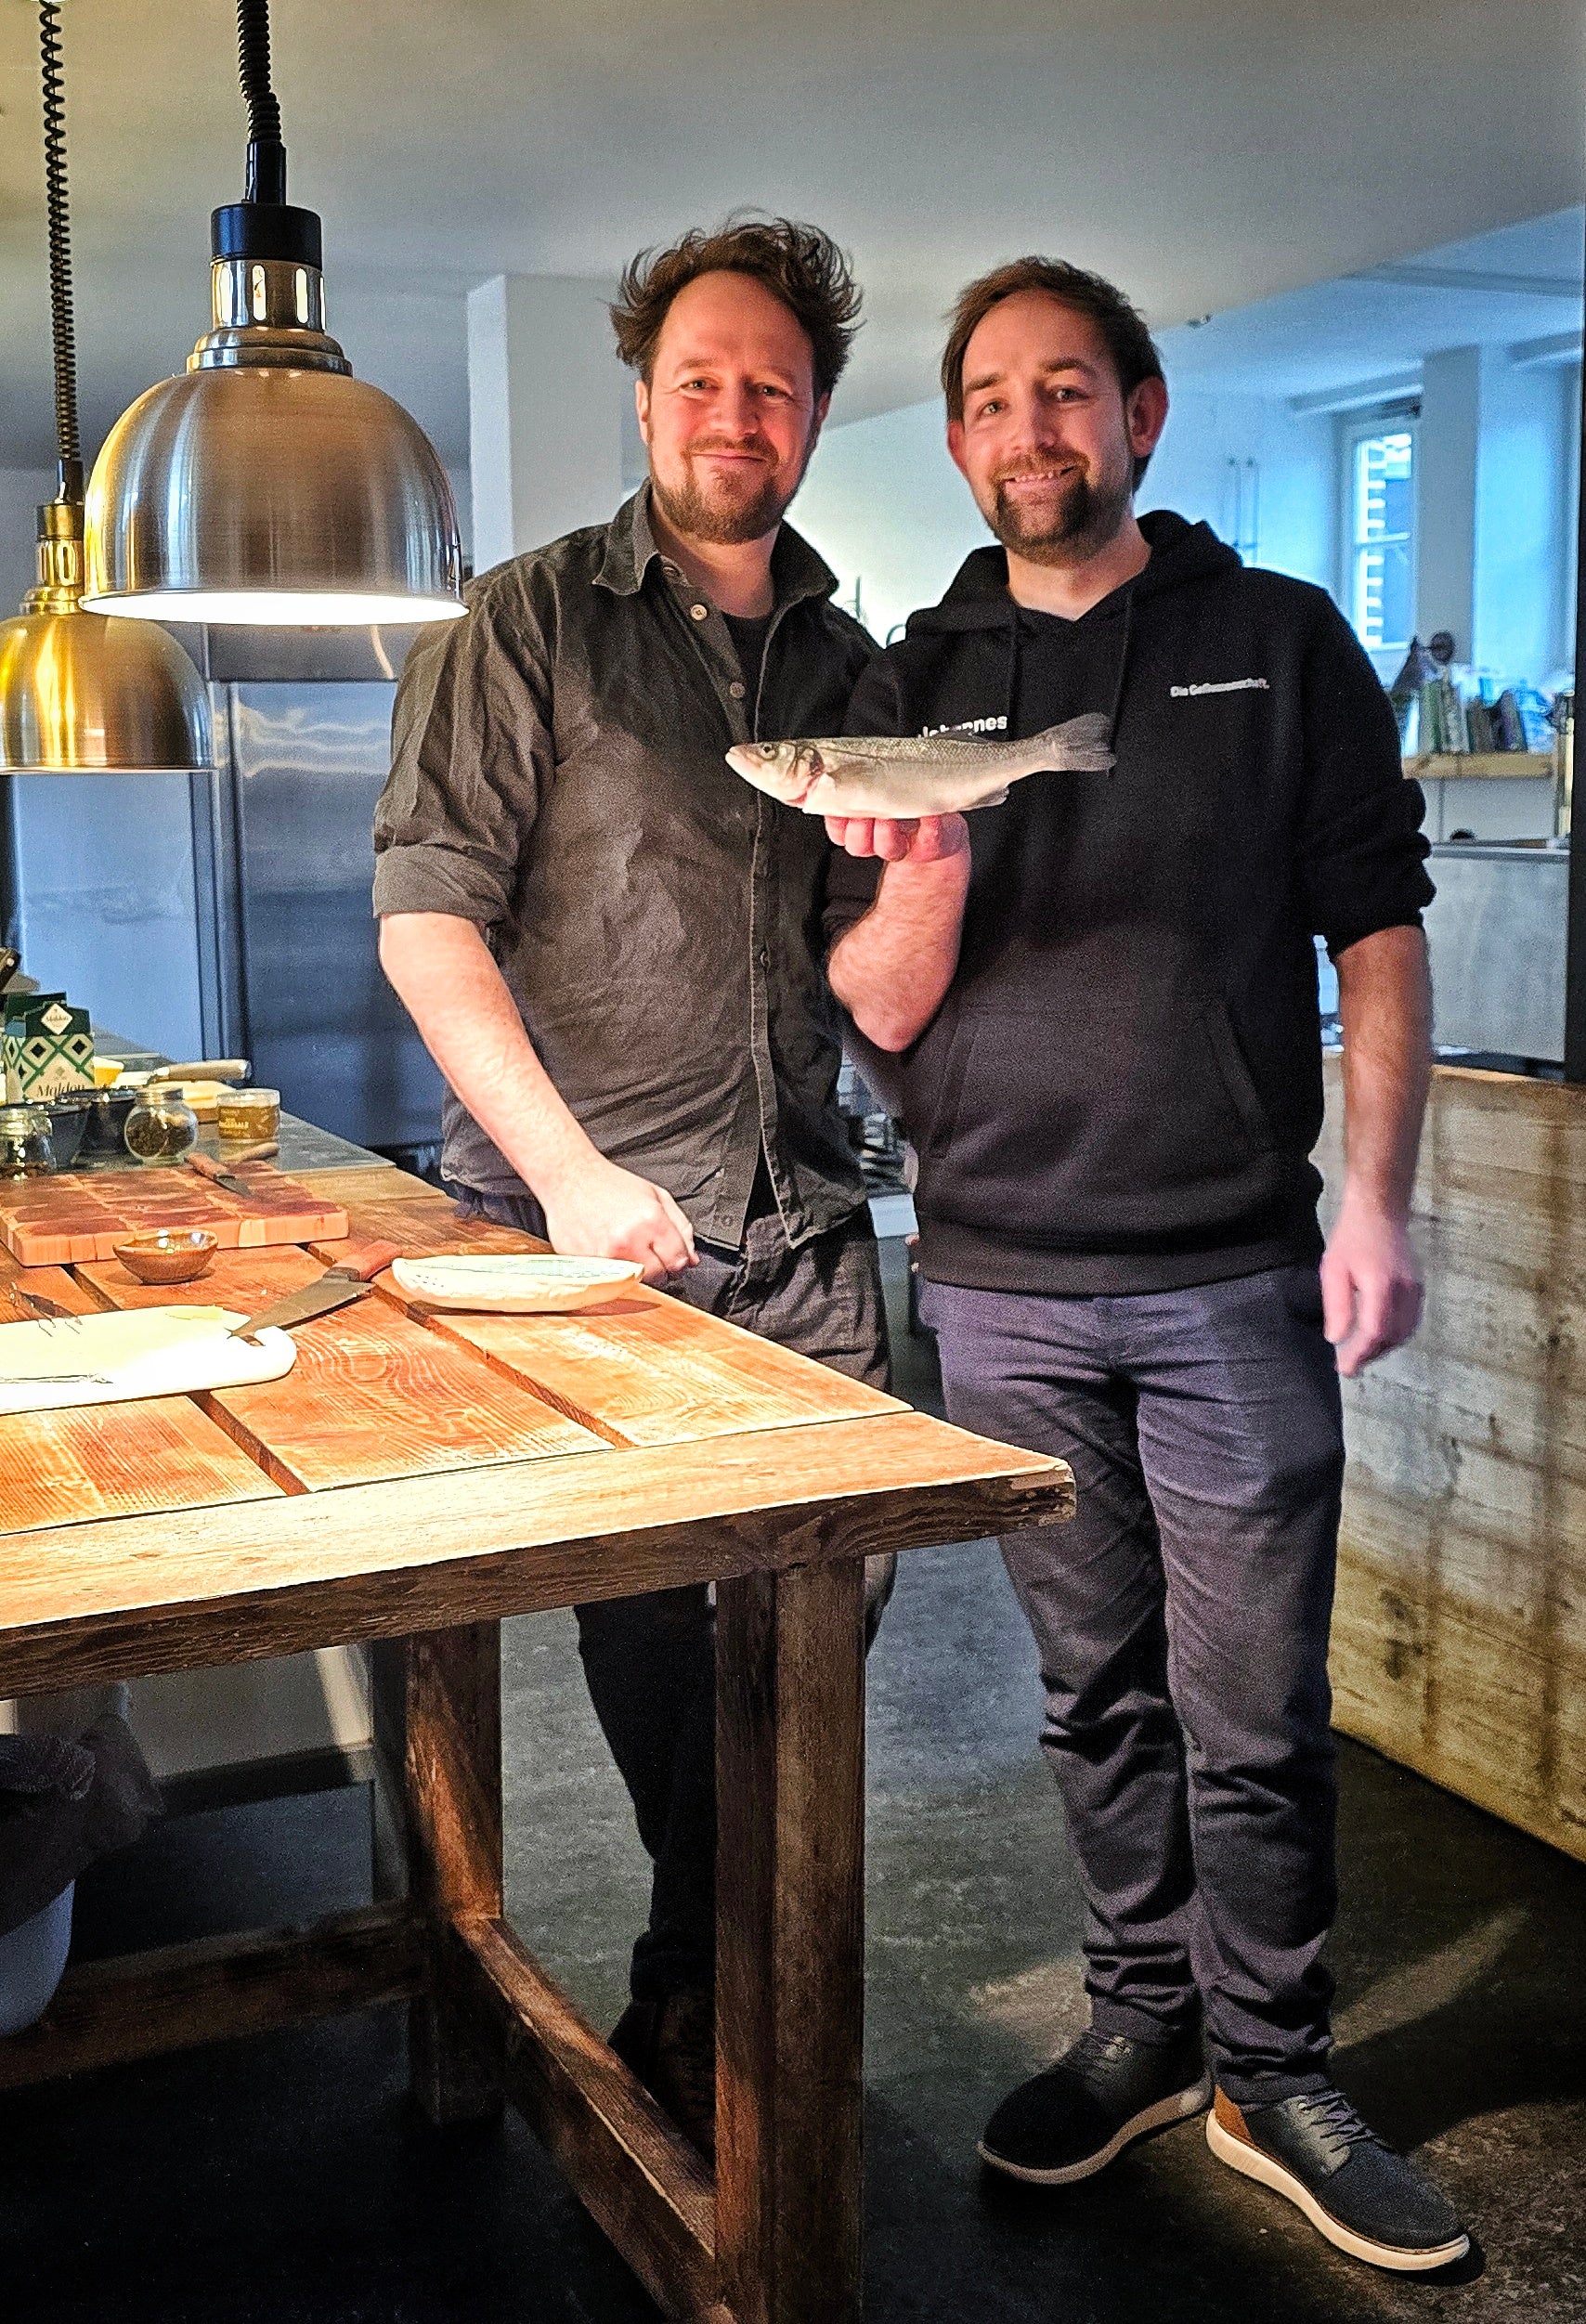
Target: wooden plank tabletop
x: 413, y: 1474
x: 372, y: 1394
x: 110, y: 1460
x: 643, y: 1370
x: 426, y: 1552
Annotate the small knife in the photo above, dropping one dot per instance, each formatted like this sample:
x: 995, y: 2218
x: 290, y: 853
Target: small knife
x: 347, y: 1280
x: 216, y: 1172
x: 50, y: 1309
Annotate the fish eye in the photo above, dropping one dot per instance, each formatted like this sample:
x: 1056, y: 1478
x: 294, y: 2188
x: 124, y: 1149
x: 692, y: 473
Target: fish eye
x: 768, y: 751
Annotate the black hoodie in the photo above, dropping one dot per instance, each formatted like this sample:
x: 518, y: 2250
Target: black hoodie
x: 1122, y: 1089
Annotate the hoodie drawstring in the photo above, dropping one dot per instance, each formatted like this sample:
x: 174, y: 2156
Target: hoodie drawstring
x: 1115, y: 710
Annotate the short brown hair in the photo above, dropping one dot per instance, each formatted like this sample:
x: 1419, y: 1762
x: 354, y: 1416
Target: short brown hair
x: 798, y: 264
x: 1129, y: 344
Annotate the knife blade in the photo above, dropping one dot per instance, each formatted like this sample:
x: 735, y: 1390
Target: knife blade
x: 38, y: 1304
x: 348, y: 1280
x: 207, y: 1167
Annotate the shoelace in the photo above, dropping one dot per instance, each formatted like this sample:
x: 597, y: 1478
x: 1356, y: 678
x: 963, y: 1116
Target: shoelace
x: 1330, y: 2114
x: 1094, y: 2054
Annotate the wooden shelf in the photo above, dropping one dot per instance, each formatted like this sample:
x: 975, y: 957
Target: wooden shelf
x: 1443, y: 765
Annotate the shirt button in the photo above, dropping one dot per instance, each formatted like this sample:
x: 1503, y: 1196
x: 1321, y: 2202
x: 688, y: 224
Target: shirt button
x: 737, y: 690
x: 699, y: 613
x: 765, y: 959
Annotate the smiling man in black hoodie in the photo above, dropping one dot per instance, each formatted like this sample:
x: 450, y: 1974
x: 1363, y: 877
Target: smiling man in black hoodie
x: 1105, y: 1000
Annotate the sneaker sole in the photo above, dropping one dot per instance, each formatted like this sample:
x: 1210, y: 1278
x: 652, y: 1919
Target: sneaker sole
x: 1178, y: 2108
x: 1268, y: 2172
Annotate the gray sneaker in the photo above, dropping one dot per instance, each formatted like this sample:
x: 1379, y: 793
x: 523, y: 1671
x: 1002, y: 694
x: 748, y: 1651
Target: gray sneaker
x: 1105, y: 2091
x: 1316, y: 2152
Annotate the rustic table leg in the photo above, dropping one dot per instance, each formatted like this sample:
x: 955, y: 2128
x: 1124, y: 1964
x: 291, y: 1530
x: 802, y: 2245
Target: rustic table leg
x: 454, y: 1830
x: 789, y: 1979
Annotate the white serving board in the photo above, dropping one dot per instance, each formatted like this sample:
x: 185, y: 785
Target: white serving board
x: 525, y: 1283
x: 135, y: 1353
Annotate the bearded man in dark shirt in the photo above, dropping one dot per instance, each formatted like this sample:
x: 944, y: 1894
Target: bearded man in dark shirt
x: 612, y: 948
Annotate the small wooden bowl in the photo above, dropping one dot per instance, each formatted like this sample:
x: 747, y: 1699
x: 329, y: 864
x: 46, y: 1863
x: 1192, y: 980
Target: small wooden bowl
x: 168, y: 1255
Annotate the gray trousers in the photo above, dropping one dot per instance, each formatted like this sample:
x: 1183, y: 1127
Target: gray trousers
x: 650, y: 1662
x: 1182, y: 1624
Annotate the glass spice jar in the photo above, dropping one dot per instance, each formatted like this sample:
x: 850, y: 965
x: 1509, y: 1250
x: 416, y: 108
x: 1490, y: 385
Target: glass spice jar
x: 161, y: 1126
x: 26, y: 1148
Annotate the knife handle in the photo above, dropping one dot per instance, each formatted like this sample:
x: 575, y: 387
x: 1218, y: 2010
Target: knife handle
x: 361, y: 1262
x: 207, y: 1167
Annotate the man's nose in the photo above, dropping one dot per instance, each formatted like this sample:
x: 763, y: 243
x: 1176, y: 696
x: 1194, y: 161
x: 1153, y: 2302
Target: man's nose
x: 736, y: 411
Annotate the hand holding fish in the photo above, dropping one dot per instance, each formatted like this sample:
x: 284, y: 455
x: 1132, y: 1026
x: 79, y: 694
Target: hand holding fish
x: 918, y: 840
x: 907, y: 778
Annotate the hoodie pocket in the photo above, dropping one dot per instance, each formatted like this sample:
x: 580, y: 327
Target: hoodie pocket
x: 1237, y: 1077
x: 1136, y: 1118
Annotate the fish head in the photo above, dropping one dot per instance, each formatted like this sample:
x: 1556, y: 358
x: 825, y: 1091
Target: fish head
x: 787, y: 771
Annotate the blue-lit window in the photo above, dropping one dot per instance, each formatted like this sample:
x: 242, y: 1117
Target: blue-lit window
x: 1380, y: 534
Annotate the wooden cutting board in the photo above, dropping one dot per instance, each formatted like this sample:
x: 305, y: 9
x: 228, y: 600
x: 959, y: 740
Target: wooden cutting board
x: 62, y: 1221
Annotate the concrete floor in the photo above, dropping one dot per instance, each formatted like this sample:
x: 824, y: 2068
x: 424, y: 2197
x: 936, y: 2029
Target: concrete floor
x: 284, y: 2180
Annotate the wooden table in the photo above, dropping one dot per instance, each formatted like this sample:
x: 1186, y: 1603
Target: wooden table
x: 418, y: 1478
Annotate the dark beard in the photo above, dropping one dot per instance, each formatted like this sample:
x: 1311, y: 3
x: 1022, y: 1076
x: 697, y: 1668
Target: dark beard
x: 690, y: 513
x: 1087, y: 517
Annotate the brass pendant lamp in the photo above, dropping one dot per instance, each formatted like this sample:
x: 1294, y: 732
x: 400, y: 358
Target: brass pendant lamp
x: 83, y: 693
x: 266, y: 484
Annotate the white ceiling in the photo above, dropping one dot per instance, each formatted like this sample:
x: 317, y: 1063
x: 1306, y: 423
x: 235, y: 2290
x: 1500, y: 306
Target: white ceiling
x: 1207, y: 153
x: 1512, y: 288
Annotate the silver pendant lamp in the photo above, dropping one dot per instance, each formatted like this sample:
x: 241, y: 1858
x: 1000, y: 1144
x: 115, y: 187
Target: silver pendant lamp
x: 83, y: 693
x: 266, y: 484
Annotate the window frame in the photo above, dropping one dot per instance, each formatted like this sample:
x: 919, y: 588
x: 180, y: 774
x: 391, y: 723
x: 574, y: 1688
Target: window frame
x: 1400, y: 417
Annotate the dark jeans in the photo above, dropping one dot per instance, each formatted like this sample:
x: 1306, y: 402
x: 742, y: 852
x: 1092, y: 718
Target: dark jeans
x: 1182, y: 1623
x: 650, y: 1661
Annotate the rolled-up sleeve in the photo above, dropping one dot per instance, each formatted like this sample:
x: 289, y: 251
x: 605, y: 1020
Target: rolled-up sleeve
x: 1362, y: 856
x: 470, y: 753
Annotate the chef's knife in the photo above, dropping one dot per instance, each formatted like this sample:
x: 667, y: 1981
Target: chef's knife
x: 217, y: 1175
x: 347, y: 1280
x: 204, y: 1070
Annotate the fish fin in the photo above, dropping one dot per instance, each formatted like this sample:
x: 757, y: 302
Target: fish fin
x: 1080, y: 746
x: 996, y: 798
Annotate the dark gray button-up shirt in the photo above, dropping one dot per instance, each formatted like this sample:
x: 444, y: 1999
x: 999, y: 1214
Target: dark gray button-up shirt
x: 558, y: 777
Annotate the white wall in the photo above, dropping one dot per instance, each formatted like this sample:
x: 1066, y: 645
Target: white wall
x: 547, y: 403
x: 1283, y: 514
x: 889, y: 512
x: 1525, y: 518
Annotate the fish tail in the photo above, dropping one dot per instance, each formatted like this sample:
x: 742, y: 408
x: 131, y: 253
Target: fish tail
x: 1080, y: 746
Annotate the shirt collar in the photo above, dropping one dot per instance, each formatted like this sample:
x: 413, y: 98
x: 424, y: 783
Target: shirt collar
x: 795, y: 570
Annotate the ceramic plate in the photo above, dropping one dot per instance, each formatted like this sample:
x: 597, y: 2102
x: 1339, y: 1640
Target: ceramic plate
x: 534, y: 1284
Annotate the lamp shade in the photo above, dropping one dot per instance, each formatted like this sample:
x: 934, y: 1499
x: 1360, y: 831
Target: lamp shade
x: 266, y: 483
x: 264, y: 493
x: 84, y: 693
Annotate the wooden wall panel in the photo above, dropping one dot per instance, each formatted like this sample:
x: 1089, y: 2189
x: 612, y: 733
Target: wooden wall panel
x: 1459, y: 1642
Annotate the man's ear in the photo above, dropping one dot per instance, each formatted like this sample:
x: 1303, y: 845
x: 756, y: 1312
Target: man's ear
x: 956, y: 446
x: 1145, y: 414
x: 642, y: 406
